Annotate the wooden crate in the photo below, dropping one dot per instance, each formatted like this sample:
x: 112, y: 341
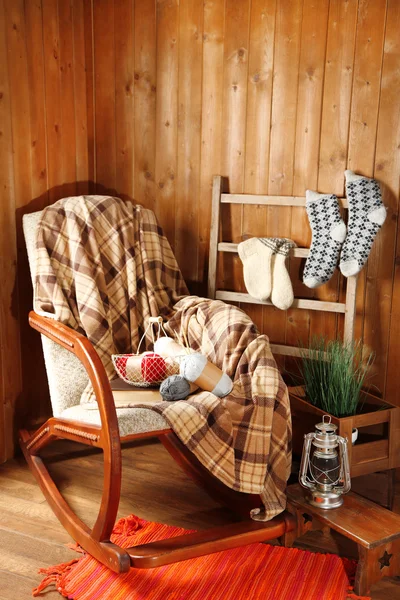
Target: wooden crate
x: 378, y: 445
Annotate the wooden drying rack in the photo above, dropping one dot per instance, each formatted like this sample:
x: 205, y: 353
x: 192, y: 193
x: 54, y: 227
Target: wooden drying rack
x: 218, y: 197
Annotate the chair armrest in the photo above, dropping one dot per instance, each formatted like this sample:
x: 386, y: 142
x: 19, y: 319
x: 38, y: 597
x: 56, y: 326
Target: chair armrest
x: 110, y: 440
x: 79, y: 345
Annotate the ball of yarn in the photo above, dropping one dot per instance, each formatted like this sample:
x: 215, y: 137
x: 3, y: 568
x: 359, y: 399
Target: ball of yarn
x: 153, y: 367
x: 121, y: 365
x: 192, y: 366
x: 161, y: 345
x: 175, y: 387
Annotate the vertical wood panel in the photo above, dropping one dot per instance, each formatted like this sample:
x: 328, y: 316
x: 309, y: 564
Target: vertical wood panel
x: 284, y: 109
x: 90, y: 90
x: 34, y: 44
x: 32, y: 361
x: 211, y: 120
x: 189, y: 137
x: 68, y: 131
x: 361, y: 153
x: 308, y: 131
x: 258, y: 126
x: 19, y: 294
x: 51, y: 45
x: 10, y: 365
x: 80, y: 94
x: 339, y: 66
x: 337, y: 95
x: 167, y: 114
x: 237, y: 18
x: 145, y: 102
x: 124, y: 97
x: 387, y: 171
x: 20, y: 102
x: 104, y: 94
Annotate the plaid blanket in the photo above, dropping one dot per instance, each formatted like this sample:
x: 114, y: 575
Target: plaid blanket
x: 103, y: 267
x: 243, y: 439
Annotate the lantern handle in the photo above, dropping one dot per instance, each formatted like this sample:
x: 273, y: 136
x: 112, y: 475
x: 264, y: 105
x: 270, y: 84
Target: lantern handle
x: 345, y: 465
x: 305, y: 457
x: 327, y: 417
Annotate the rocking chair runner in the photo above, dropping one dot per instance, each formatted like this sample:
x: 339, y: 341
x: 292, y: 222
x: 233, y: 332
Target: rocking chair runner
x: 67, y: 351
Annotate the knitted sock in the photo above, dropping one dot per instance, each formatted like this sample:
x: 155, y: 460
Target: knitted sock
x: 328, y: 233
x: 366, y: 216
x: 256, y: 254
x: 282, y: 290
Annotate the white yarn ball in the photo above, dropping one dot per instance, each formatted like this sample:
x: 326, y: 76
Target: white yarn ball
x: 161, y: 344
x: 192, y: 366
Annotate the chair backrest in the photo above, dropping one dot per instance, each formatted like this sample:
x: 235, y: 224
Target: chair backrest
x: 66, y: 376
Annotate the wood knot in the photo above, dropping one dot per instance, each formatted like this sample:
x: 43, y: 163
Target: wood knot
x: 136, y: 76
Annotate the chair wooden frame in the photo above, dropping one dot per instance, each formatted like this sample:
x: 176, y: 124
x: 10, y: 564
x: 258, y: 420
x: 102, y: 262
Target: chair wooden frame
x: 348, y: 308
x: 96, y: 541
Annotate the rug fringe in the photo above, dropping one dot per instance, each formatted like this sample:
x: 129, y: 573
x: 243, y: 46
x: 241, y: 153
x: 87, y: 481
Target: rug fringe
x: 53, y: 576
x: 76, y: 547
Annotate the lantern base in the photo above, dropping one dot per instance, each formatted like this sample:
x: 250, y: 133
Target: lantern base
x: 325, y: 500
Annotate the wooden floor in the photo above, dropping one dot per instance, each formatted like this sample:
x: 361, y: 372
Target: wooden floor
x: 153, y: 488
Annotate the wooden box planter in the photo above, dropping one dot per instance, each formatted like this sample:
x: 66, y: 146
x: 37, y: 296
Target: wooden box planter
x: 378, y: 445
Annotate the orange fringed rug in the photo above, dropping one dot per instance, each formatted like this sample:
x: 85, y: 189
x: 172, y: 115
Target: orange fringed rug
x: 254, y: 572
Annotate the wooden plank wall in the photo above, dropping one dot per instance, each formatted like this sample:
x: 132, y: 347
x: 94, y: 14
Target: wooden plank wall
x: 149, y: 99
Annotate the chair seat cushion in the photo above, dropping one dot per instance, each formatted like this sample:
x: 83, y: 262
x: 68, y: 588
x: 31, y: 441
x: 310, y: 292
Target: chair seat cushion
x: 130, y: 420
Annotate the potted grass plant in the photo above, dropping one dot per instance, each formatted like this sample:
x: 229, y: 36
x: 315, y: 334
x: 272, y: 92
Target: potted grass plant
x: 334, y: 375
x: 333, y: 378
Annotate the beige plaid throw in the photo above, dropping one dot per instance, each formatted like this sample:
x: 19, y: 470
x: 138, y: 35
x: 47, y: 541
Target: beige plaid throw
x: 243, y: 439
x: 103, y: 267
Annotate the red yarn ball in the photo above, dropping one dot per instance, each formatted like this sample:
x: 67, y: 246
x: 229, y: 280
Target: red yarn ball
x: 153, y: 367
x: 121, y: 364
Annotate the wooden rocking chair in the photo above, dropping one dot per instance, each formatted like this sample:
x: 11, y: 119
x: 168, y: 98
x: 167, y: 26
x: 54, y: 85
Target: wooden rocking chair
x: 66, y: 352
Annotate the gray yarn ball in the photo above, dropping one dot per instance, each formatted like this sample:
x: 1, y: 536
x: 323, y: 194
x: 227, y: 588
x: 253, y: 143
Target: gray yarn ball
x: 175, y: 387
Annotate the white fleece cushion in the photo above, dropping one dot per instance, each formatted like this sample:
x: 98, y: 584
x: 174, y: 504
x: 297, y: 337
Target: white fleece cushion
x: 65, y: 391
x: 130, y: 420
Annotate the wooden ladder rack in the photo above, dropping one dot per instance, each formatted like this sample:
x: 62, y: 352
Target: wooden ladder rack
x: 218, y: 197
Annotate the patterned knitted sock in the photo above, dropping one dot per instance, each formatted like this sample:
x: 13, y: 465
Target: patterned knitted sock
x: 366, y: 216
x: 256, y: 254
x: 282, y: 290
x: 328, y: 233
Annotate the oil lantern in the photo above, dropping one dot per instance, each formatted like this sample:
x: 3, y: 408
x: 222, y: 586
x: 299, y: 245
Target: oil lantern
x: 324, y: 468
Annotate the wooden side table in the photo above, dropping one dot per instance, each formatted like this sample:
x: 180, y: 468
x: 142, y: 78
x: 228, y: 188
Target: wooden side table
x: 375, y: 529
